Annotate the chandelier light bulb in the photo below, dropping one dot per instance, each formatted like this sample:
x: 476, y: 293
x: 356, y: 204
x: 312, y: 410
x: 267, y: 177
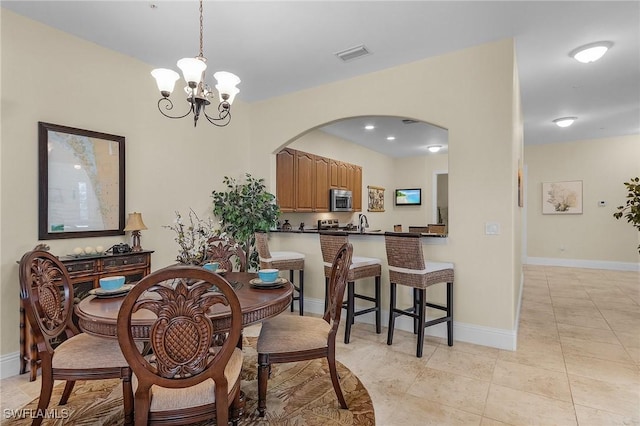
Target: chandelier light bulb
x: 591, y: 52
x: 565, y: 121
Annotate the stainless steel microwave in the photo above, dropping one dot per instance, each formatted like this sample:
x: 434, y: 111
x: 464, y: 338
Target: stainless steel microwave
x: 341, y: 200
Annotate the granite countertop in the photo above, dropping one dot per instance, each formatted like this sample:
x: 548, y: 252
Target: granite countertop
x: 367, y: 233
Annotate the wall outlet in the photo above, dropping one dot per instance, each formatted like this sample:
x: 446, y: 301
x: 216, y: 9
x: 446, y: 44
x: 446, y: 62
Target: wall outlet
x: 492, y: 228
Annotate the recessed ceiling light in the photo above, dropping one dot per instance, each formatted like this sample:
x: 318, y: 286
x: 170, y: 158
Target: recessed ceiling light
x: 369, y: 127
x: 590, y: 52
x: 434, y: 148
x: 391, y: 138
x: 565, y: 121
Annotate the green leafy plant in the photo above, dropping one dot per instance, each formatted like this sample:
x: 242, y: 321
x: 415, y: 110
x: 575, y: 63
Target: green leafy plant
x: 246, y: 207
x: 631, y: 210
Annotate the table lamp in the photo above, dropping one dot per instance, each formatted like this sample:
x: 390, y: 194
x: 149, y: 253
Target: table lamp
x: 135, y: 225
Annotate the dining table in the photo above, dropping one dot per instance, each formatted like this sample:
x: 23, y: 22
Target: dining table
x: 99, y: 315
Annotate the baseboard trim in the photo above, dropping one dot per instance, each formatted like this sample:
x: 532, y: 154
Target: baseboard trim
x: 470, y: 333
x: 9, y: 365
x: 581, y: 263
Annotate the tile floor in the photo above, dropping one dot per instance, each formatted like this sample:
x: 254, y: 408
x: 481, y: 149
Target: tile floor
x: 577, y: 362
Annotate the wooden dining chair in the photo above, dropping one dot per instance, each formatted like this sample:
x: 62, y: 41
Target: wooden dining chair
x: 226, y: 252
x: 47, y: 297
x: 287, y: 338
x: 190, y: 376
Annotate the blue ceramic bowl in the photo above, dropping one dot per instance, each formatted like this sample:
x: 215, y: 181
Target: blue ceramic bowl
x: 211, y: 266
x: 268, y: 275
x: 111, y: 283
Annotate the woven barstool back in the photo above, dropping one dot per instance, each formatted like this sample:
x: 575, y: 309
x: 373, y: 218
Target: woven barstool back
x: 407, y: 267
x: 285, y: 261
x: 361, y: 267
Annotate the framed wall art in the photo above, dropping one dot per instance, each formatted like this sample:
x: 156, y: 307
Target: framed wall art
x: 81, y: 183
x: 376, y: 199
x: 562, y: 197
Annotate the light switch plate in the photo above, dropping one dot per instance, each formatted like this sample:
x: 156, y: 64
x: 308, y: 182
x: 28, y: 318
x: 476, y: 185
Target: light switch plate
x: 492, y: 228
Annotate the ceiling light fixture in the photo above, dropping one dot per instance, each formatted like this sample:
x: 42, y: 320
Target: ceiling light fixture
x: 434, y: 148
x: 198, y: 93
x: 369, y: 127
x: 391, y: 138
x: 590, y: 52
x: 564, y: 121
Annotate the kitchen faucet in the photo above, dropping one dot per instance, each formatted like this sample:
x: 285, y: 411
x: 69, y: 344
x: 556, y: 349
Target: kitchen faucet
x: 363, y: 221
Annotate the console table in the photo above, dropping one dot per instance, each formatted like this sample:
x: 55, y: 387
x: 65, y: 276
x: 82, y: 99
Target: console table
x: 85, y: 273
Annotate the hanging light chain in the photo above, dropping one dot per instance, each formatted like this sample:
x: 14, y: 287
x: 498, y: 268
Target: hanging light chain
x: 201, y: 30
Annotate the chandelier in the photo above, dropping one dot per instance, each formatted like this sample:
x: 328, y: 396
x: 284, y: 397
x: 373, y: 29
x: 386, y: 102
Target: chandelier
x: 198, y: 92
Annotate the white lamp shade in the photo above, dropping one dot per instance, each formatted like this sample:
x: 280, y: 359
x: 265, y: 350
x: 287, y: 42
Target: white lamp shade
x: 165, y: 79
x: 227, y: 85
x: 192, y: 69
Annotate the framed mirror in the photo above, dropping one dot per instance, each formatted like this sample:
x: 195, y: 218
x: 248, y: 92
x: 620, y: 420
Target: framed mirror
x: 81, y: 183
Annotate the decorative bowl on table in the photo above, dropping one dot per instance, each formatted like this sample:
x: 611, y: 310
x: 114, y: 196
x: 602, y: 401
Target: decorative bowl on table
x: 111, y: 283
x: 211, y: 266
x: 268, y: 275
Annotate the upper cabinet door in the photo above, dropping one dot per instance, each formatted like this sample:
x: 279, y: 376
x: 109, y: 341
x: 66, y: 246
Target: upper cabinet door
x: 333, y: 173
x: 357, y: 189
x: 305, y: 185
x: 285, y: 180
x: 322, y: 184
x: 342, y: 175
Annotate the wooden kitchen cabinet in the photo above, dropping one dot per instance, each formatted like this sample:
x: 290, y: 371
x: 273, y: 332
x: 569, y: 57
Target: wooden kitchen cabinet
x: 285, y: 180
x: 357, y: 189
x: 85, y: 274
x: 322, y: 184
x: 305, y: 182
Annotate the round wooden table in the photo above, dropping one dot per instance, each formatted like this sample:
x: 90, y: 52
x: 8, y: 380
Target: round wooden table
x: 98, y: 316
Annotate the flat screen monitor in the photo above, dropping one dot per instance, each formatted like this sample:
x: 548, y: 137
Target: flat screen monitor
x: 408, y: 197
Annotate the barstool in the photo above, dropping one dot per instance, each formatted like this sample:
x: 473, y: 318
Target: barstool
x: 285, y: 261
x: 407, y: 267
x: 361, y: 267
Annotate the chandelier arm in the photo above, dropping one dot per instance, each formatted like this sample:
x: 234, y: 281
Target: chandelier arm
x: 169, y: 107
x: 224, y: 118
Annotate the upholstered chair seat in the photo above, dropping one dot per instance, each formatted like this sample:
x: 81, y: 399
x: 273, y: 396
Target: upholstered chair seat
x: 81, y: 352
x: 280, y: 334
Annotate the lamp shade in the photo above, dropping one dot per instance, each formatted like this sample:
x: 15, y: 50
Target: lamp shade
x: 192, y: 69
x: 165, y: 79
x: 227, y: 85
x: 135, y: 223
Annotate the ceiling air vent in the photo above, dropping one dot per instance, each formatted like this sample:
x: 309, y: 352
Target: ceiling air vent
x: 353, y: 53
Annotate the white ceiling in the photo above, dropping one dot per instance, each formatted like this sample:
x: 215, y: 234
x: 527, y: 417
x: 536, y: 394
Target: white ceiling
x: 278, y: 47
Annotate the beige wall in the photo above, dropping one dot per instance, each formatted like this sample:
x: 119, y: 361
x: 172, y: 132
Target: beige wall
x: 172, y: 166
x: 51, y: 76
x: 470, y: 93
x: 594, y: 236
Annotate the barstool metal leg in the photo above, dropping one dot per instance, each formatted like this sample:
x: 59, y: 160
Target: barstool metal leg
x: 350, y: 310
x: 450, y: 314
x: 301, y: 293
x: 294, y: 292
x: 421, y: 320
x: 392, y: 314
x: 415, y: 310
x: 378, y: 306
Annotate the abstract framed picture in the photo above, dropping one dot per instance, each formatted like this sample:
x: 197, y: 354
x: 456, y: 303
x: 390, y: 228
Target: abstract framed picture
x: 81, y: 180
x: 376, y: 199
x: 562, y: 197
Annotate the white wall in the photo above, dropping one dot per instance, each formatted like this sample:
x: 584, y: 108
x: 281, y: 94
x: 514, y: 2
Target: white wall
x: 593, y: 238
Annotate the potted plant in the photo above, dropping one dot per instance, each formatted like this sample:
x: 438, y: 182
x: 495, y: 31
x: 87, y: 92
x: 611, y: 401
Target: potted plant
x: 244, y: 208
x: 631, y: 210
x: 192, y: 237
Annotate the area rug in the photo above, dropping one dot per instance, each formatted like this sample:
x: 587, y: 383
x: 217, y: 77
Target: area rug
x: 298, y: 394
